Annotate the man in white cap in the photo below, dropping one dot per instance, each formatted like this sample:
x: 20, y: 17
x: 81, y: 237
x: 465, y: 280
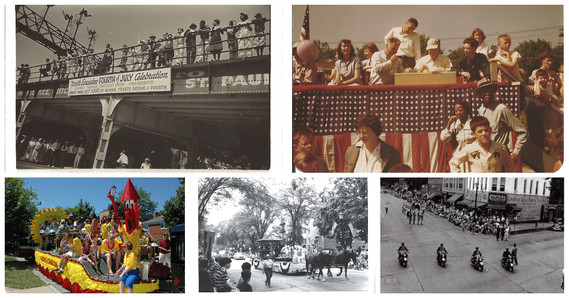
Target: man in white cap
x: 434, y: 62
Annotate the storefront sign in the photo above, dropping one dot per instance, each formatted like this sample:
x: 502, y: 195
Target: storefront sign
x: 497, y: 198
x: 198, y: 82
x: 156, y: 80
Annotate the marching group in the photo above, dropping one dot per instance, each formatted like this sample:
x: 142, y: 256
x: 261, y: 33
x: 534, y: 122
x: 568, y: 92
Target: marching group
x: 243, y: 38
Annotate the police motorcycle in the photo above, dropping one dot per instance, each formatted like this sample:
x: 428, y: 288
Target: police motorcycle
x: 508, y: 264
x: 477, y: 262
x: 403, y: 255
x: 442, y: 258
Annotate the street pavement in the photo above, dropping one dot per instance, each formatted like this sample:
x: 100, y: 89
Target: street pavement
x: 540, y: 256
x: 358, y: 280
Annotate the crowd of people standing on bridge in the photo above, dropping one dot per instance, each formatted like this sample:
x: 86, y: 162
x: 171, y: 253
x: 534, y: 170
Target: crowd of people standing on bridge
x: 197, y: 43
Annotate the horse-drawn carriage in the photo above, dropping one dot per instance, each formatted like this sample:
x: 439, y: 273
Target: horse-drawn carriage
x: 287, y: 259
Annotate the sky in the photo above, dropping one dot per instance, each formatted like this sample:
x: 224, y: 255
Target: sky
x: 451, y: 24
x: 120, y: 24
x: 66, y: 192
x: 229, y: 207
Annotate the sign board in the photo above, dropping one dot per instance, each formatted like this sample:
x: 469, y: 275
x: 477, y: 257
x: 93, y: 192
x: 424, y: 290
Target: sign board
x: 198, y: 82
x: 154, y: 80
x: 497, y: 198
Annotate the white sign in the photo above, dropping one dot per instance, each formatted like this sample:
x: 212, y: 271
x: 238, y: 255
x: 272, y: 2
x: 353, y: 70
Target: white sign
x: 155, y: 80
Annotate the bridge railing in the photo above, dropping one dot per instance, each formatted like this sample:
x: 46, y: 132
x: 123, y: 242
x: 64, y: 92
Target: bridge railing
x: 142, y: 57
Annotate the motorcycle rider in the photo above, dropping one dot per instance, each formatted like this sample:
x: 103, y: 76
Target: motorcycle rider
x: 506, y: 255
x: 475, y: 254
x: 402, y: 249
x: 440, y: 251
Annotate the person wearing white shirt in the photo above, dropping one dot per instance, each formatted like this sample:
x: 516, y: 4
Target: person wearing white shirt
x: 479, y: 36
x: 434, y: 62
x: 410, y: 48
x: 384, y: 64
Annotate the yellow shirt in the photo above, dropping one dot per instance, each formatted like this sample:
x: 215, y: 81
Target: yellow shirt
x: 105, y: 230
x: 134, y: 238
x: 105, y: 248
x: 130, y: 261
x: 143, y: 240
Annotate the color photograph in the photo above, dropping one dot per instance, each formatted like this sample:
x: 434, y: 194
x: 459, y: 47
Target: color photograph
x: 95, y: 235
x: 427, y: 89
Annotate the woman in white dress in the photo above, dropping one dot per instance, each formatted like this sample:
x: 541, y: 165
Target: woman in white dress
x: 244, y: 36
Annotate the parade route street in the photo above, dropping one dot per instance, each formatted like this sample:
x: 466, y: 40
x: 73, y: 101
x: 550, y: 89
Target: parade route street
x: 358, y: 280
x: 540, y: 256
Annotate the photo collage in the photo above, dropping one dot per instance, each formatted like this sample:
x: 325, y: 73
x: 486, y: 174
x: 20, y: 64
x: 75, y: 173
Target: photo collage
x: 417, y: 149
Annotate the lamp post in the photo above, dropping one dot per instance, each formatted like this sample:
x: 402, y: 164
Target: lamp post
x: 475, y: 201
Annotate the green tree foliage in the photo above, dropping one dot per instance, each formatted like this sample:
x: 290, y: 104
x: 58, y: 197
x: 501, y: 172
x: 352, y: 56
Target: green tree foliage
x: 348, y: 196
x: 530, y: 50
x: 424, y: 39
x: 556, y: 191
x: 324, y: 50
x: 298, y: 201
x: 82, y: 209
x: 456, y: 54
x: 20, y: 209
x: 211, y: 191
x: 174, y: 209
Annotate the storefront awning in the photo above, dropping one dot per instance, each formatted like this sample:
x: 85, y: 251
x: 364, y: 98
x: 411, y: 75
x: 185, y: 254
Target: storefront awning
x: 435, y: 194
x: 463, y: 203
x: 478, y: 204
x: 514, y: 207
x: 496, y: 207
x: 455, y: 197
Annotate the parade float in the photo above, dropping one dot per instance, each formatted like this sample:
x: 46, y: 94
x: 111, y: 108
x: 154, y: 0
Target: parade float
x: 79, y: 276
x: 287, y: 259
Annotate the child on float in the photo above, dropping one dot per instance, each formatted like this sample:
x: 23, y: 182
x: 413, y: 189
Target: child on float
x: 129, y: 272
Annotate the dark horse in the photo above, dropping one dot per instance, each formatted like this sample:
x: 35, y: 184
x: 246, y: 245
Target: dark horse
x: 341, y: 260
x: 324, y: 258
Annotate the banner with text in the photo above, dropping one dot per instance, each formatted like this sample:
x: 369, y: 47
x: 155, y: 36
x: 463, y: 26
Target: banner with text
x: 155, y: 80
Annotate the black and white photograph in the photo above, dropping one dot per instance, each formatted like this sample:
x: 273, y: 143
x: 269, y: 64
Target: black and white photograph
x: 142, y: 87
x: 283, y: 234
x: 472, y: 235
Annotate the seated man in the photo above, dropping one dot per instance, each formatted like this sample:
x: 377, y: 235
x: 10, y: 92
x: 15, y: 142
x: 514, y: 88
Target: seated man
x: 434, y: 62
x: 384, y: 64
x: 476, y: 254
x: 402, y: 250
x: 506, y: 255
x: 304, y: 72
x: 472, y: 63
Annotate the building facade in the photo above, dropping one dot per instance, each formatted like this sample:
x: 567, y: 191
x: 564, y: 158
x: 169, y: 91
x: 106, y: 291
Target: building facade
x: 522, y: 199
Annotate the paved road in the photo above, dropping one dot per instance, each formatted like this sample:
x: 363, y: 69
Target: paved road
x: 540, y: 257
x: 358, y: 281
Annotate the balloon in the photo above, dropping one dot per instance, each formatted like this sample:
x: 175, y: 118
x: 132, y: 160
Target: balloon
x: 307, y: 51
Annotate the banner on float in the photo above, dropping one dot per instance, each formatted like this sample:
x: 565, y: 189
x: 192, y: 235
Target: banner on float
x: 155, y: 80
